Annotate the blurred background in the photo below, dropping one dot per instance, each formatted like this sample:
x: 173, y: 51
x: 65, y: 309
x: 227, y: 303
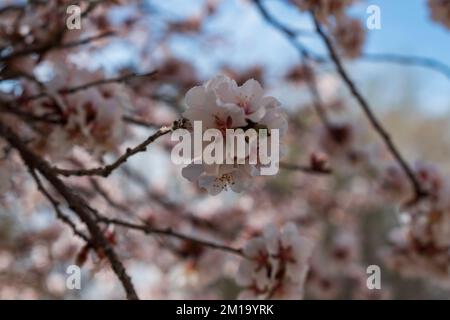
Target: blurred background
x: 189, y: 42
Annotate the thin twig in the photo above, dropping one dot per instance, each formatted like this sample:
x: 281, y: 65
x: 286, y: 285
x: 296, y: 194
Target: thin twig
x: 85, y: 86
x: 376, y: 124
x: 139, y: 122
x: 105, y: 195
x: 108, y: 169
x: 76, y: 203
x: 54, y: 45
x: 10, y: 8
x: 401, y: 59
x: 426, y: 62
x: 58, y: 211
x: 305, y: 55
x: 170, y: 233
x: 27, y: 116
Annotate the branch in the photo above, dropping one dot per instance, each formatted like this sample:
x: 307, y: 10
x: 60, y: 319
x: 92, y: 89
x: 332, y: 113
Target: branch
x: 305, y: 169
x: 419, y: 192
x: 91, y: 6
x: 54, y: 44
x: 170, y: 206
x: 58, y: 211
x: 108, y: 169
x: 91, y: 84
x: 105, y: 195
x: 27, y: 116
x: 139, y: 122
x: 305, y: 55
x: 22, y: 7
x: 409, y: 60
x: 75, y: 202
x: 292, y: 35
x: 402, y: 59
x: 12, y: 7
x: 170, y: 233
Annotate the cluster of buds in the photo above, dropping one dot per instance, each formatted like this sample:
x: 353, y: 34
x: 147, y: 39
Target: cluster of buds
x: 89, y: 118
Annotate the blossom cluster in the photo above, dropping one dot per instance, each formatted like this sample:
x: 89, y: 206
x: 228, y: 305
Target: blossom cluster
x: 348, y: 32
x: 276, y: 264
x: 324, y: 8
x: 89, y: 118
x: 420, y: 246
x: 221, y: 104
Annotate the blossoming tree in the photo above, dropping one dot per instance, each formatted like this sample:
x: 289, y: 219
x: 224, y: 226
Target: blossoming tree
x: 86, y: 177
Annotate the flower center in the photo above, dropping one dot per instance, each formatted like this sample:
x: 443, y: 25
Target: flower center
x: 244, y: 104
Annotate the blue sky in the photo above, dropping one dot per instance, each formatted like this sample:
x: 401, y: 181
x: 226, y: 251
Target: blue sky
x: 246, y: 40
x: 406, y: 29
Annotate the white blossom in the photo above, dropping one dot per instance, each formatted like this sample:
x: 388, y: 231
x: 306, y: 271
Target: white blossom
x: 276, y: 264
x: 221, y: 104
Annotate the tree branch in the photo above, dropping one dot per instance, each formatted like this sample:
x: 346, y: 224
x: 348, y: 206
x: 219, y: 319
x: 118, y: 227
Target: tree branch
x: 75, y: 202
x: 305, y: 169
x: 139, y: 122
x: 409, y: 60
x: 95, y: 83
x: 305, y: 55
x: 58, y: 211
x: 54, y: 44
x: 108, y: 169
x: 376, y: 124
